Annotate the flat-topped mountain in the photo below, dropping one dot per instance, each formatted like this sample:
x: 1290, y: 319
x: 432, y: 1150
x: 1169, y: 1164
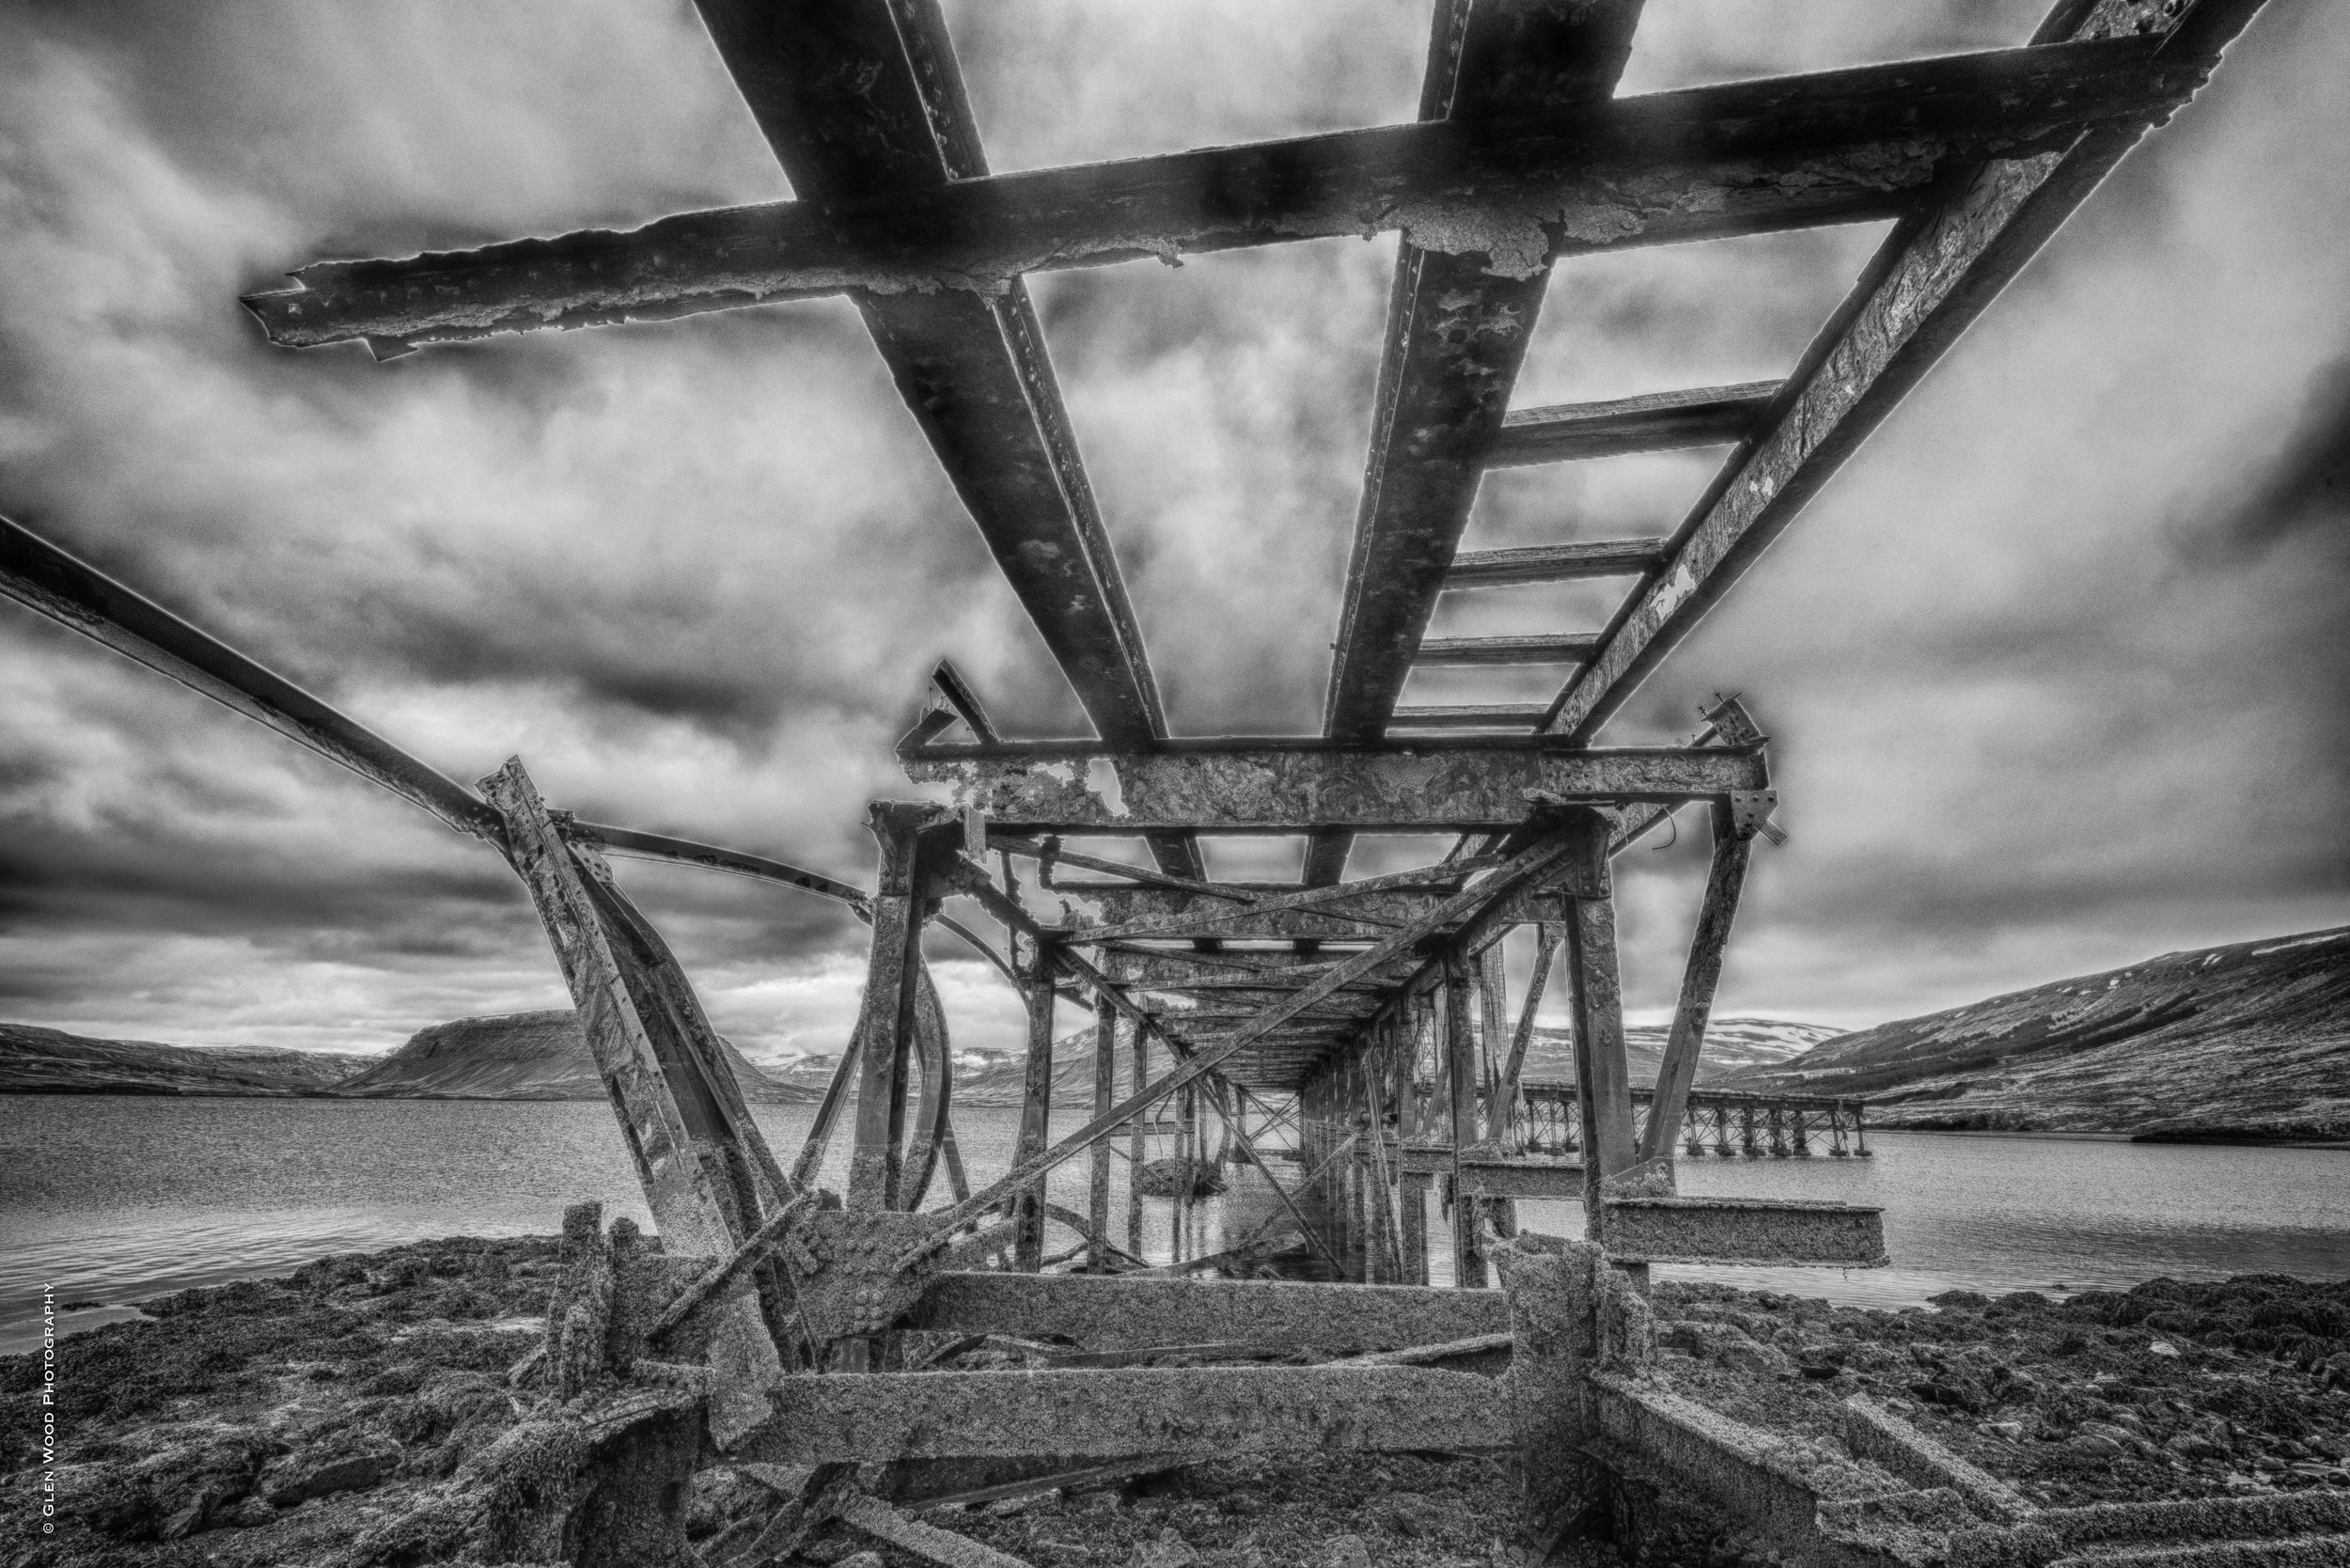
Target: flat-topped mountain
x: 2248, y: 1042
x: 51, y: 1061
x: 518, y: 1056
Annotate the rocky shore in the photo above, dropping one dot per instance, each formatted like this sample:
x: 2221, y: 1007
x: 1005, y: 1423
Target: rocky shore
x: 297, y: 1422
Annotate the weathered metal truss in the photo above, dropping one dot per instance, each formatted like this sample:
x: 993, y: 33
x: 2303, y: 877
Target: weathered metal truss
x: 1353, y: 1042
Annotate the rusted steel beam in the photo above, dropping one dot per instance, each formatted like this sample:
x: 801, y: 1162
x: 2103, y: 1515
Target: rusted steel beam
x: 1293, y: 787
x: 1604, y: 1089
x: 1035, y: 1103
x: 1111, y: 1313
x: 1471, y: 716
x: 1725, y: 877
x: 927, y: 1543
x: 1563, y: 648
x: 1552, y: 936
x: 1939, y: 267
x: 1460, y: 1080
x: 1553, y: 563
x: 1145, y: 1021
x: 45, y: 577
x: 1706, y: 162
x: 1778, y: 1232
x: 1456, y: 332
x: 1156, y: 969
x: 1060, y: 856
x: 1653, y: 422
x: 698, y: 1154
x: 1105, y: 1097
x: 685, y: 852
x: 1522, y: 1176
x: 862, y: 97
x: 1105, y: 1413
x: 889, y: 1016
x: 957, y: 695
x: 1463, y: 909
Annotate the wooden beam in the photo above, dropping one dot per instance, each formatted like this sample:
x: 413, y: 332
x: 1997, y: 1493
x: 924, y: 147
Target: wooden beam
x: 1939, y: 269
x: 1566, y: 648
x: 1653, y: 422
x: 1707, y: 163
x: 863, y: 97
x: 1293, y: 787
x: 45, y: 577
x: 1553, y: 563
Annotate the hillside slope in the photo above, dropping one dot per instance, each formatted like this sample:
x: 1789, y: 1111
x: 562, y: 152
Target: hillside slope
x: 517, y: 1055
x: 51, y: 1061
x: 2244, y: 1041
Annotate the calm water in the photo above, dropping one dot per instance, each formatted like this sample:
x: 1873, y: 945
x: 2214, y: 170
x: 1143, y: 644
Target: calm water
x: 117, y: 1199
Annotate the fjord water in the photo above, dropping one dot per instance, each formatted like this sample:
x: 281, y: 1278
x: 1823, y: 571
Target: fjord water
x: 116, y: 1198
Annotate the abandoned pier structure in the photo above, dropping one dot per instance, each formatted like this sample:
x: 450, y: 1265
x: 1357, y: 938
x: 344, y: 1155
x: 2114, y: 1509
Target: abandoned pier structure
x: 1353, y: 1042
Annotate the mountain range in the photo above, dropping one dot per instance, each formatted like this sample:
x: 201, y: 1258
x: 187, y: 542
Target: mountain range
x: 2244, y: 1043
x: 51, y: 1061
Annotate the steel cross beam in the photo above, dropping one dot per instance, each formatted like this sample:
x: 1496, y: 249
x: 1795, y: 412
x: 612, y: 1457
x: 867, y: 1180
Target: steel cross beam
x: 1708, y: 163
x: 1456, y: 335
x: 1294, y: 786
x: 1939, y: 269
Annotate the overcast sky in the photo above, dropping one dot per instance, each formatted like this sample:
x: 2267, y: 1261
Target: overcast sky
x: 2055, y: 669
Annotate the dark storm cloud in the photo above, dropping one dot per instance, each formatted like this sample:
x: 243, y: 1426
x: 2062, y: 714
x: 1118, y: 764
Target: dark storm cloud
x: 2307, y: 487
x: 694, y: 572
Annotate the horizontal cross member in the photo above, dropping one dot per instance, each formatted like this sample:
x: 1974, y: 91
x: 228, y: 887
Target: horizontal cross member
x: 1100, y: 1414
x: 1653, y: 422
x: 1157, y: 915
x: 1744, y: 1231
x: 1746, y: 157
x: 1293, y: 787
x: 1565, y: 647
x: 1106, y: 1312
x: 1553, y: 563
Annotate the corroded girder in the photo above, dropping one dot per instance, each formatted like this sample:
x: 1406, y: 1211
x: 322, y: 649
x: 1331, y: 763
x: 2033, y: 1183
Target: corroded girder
x: 1097, y: 1414
x: 1652, y: 422
x: 1105, y: 1312
x: 1280, y: 786
x: 1746, y: 157
x: 1937, y: 270
x: 1743, y: 1230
